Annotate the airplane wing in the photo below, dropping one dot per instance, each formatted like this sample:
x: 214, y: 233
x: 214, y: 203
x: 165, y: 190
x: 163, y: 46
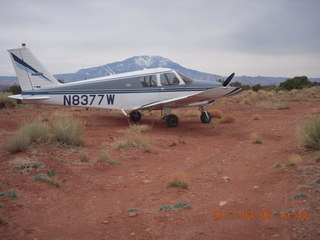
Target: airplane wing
x: 202, y: 98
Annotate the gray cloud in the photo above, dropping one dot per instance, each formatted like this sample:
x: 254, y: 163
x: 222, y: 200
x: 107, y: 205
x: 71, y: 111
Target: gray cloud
x: 215, y: 36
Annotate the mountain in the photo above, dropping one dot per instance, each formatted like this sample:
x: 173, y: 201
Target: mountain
x: 134, y: 64
x: 141, y: 62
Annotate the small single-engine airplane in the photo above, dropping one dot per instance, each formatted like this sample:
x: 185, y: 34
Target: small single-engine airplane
x: 148, y: 89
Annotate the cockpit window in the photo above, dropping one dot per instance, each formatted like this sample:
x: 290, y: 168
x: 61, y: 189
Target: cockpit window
x: 149, y: 81
x: 169, y: 79
x: 185, y: 78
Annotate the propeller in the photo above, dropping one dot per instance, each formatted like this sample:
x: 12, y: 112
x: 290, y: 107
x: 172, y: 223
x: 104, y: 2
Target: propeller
x: 226, y: 82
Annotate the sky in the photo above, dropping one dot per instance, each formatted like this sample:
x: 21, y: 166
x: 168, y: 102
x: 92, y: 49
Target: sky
x: 279, y: 38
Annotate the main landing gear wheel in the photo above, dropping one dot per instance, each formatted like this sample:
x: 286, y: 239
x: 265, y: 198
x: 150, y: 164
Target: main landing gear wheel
x: 172, y: 120
x: 205, y: 117
x: 135, y: 116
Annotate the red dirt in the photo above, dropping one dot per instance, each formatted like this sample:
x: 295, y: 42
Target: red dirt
x: 91, y: 203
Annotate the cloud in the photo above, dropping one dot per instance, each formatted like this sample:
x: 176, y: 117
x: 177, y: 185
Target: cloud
x: 68, y: 35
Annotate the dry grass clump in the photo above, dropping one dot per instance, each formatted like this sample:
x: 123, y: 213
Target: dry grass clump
x: 309, y: 133
x: 268, y: 105
x: 216, y: 113
x: 189, y: 113
x: 135, y: 140
x: 30, y: 133
x: 179, y: 180
x: 26, y: 164
x: 102, y: 157
x: 294, y: 160
x: 246, y: 101
x: 63, y: 129
x: 6, y: 102
x: 84, y: 158
x: 256, y: 117
x: 228, y: 119
x: 256, y: 138
x: 67, y: 130
x: 3, y: 222
x: 138, y: 128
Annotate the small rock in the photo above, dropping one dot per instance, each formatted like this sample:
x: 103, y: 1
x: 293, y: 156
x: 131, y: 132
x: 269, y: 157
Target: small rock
x: 141, y: 171
x: 223, y: 203
x: 226, y: 178
x: 146, y: 181
x: 132, y: 214
x: 148, y: 229
x: 132, y: 234
x: 173, y: 144
x: 105, y: 222
x: 255, y: 187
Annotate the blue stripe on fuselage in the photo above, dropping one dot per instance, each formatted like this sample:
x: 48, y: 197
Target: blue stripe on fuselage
x: 116, y: 91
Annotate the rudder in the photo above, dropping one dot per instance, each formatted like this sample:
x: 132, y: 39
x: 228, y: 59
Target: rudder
x: 31, y: 73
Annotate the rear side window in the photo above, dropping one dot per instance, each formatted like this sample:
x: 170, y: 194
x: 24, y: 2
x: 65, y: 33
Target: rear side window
x: 149, y: 81
x: 169, y: 79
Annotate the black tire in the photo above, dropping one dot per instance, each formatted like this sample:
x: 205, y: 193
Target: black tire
x: 172, y: 120
x: 135, y: 116
x: 205, y: 117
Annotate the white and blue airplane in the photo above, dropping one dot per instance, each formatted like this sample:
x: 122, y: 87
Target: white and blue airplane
x: 148, y: 89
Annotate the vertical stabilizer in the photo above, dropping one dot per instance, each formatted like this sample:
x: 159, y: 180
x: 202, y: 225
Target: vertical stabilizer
x: 31, y: 73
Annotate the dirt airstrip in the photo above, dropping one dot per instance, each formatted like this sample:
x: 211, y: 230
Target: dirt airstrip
x: 235, y: 192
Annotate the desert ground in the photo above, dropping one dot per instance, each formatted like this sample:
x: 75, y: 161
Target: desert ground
x: 236, y: 189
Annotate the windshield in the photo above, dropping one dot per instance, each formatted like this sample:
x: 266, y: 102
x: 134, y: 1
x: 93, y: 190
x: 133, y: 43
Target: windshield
x: 185, y: 78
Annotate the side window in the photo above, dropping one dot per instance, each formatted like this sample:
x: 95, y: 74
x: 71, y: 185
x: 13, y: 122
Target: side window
x: 149, y: 81
x: 169, y: 79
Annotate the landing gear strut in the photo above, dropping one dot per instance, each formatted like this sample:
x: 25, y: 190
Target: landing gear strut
x: 135, y: 116
x: 205, y: 116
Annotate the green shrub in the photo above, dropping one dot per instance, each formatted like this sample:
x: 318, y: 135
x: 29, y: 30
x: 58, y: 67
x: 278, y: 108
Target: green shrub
x: 9, y: 193
x: 51, y: 173
x: 309, y: 133
x: 314, y: 182
x: 180, y: 205
x: 42, y: 177
x: 132, y: 209
x: 114, y: 162
x: 67, y: 130
x: 300, y: 195
x: 176, y: 206
x: 166, y: 207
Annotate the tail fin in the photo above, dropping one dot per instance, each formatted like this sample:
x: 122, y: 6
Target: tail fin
x: 31, y: 73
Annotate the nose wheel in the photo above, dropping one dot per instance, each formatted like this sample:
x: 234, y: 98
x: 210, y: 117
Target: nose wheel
x: 205, y: 116
x: 135, y: 116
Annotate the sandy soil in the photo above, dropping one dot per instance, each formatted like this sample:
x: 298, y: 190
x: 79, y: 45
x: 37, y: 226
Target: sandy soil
x: 220, y: 161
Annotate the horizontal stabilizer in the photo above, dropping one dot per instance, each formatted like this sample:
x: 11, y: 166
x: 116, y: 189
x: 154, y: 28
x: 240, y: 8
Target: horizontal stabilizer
x: 29, y: 97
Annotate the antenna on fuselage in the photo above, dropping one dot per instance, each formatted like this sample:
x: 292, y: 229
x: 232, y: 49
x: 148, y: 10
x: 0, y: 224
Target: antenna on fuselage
x: 109, y: 70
